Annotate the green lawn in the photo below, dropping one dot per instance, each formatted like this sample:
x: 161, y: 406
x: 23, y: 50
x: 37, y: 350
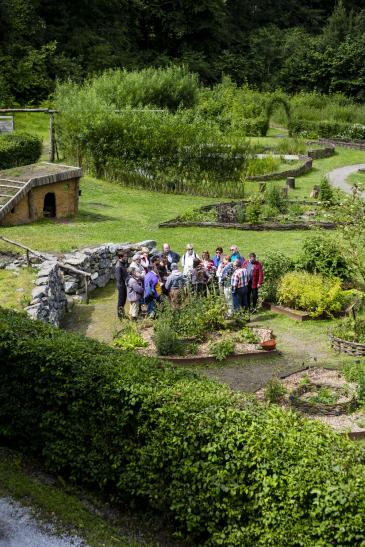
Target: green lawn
x: 16, y: 288
x: 111, y: 213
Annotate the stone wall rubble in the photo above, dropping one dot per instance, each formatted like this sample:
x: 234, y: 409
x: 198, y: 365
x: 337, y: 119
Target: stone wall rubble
x: 56, y: 288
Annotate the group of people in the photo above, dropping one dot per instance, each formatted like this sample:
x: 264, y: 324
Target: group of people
x: 149, y: 278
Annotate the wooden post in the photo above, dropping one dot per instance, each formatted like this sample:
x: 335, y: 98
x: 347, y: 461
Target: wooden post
x: 86, y: 291
x: 31, y: 206
x: 51, y: 137
x: 290, y: 182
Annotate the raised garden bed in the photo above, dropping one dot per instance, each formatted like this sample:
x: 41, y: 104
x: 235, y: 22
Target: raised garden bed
x: 243, y: 350
x: 304, y: 168
x: 344, y: 346
x: 290, y: 312
x: 256, y: 227
x: 228, y: 215
x: 304, y: 399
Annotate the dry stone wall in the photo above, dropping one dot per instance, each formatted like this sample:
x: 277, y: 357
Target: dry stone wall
x: 56, y: 288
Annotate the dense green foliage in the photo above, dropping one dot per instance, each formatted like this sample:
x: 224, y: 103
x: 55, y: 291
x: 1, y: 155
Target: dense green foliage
x: 295, y: 46
x: 324, y: 254
x: 162, y: 150
x: 230, y: 471
x: 351, y: 329
x: 275, y: 265
x: 319, y: 295
x: 19, y: 149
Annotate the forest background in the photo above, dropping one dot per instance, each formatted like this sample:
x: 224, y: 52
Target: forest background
x: 288, y: 44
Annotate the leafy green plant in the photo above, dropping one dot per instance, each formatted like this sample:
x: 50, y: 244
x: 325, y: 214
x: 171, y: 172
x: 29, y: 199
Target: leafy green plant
x: 130, y: 340
x: 324, y: 254
x: 355, y: 372
x: 275, y: 199
x: 304, y: 381
x: 262, y: 166
x: 314, y: 293
x: 19, y: 149
x: 350, y: 329
x: 274, y: 391
x: 222, y: 348
x: 247, y: 335
x: 325, y: 396
x: 275, y: 265
x: 197, y: 215
x: 166, y: 340
x: 254, y: 210
x: 326, y: 191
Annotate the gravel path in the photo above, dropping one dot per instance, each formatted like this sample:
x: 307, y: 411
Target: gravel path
x: 18, y: 528
x: 338, y: 177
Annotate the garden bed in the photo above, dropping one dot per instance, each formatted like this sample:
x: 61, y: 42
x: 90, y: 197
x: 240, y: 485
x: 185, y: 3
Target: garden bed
x: 302, y: 169
x: 261, y: 227
x: 290, y: 312
x: 340, y: 414
x: 267, y: 211
x: 202, y: 353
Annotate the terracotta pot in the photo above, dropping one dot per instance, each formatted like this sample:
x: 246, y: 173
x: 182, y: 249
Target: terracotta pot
x: 268, y: 344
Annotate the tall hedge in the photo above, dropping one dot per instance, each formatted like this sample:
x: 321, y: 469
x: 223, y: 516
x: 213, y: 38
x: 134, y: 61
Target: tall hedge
x: 19, y: 149
x: 231, y: 472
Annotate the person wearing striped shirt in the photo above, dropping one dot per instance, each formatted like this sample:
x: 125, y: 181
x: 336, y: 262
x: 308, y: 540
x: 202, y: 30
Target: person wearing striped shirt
x: 239, y: 286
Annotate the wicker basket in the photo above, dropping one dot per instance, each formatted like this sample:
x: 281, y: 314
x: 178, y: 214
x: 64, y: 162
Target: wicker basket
x: 344, y: 346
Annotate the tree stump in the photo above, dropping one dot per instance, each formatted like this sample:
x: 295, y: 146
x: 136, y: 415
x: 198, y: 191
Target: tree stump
x: 315, y: 192
x: 290, y: 182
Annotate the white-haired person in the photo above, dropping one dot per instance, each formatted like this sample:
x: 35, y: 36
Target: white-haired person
x: 187, y: 260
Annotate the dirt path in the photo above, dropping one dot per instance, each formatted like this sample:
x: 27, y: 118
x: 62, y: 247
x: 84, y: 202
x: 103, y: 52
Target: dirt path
x: 338, y: 177
x: 300, y: 345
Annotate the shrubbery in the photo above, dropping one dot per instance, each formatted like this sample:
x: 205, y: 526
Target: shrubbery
x: 19, y: 149
x: 323, y: 254
x: 352, y: 330
x: 319, y: 295
x: 326, y: 129
x: 275, y: 265
x: 165, y: 151
x: 228, y: 470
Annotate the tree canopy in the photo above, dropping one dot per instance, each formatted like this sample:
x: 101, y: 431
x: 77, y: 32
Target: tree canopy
x: 289, y: 44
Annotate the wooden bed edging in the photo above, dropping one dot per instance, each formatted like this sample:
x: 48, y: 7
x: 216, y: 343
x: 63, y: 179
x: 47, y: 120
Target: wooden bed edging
x: 290, y: 312
x: 254, y: 227
x: 211, y: 359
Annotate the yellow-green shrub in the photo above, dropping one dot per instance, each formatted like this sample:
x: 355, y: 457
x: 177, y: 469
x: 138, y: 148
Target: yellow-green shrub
x: 318, y: 295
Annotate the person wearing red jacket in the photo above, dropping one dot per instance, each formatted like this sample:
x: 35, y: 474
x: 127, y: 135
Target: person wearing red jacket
x: 255, y: 279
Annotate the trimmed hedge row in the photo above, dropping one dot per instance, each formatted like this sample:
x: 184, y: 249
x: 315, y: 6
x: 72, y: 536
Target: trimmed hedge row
x: 230, y: 471
x: 19, y: 149
x: 326, y: 129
